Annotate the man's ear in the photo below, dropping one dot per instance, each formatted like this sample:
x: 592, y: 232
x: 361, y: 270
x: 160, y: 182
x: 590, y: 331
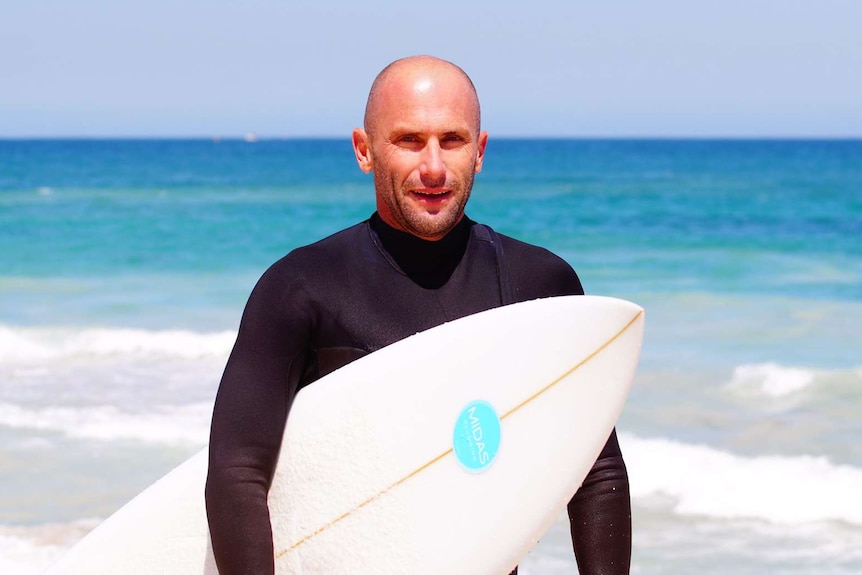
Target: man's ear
x: 480, y: 153
x: 362, y: 149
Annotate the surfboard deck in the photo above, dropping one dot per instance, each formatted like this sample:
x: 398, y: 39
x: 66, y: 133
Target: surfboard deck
x: 452, y: 451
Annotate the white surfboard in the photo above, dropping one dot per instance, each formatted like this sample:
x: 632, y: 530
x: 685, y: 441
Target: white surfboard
x: 452, y: 451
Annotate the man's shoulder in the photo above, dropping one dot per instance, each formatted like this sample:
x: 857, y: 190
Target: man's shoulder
x: 521, y: 247
x: 317, y: 261
x: 335, y: 244
x: 531, y: 255
x: 328, y: 250
x: 536, y: 271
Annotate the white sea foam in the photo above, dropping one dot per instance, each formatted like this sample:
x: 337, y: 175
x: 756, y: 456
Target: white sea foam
x: 187, y: 424
x: 21, y: 556
x: 30, y: 550
x: 22, y: 345
x: 708, y: 482
x: 771, y: 379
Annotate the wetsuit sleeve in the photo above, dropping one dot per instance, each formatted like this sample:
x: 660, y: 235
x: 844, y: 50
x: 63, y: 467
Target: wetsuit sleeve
x: 600, y: 516
x: 254, y: 396
x: 600, y: 512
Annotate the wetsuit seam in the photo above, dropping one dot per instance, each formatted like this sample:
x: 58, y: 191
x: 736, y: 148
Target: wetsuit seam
x: 378, y: 244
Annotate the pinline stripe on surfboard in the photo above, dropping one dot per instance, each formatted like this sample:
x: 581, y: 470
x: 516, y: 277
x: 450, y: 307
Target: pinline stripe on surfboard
x: 574, y: 368
x: 448, y: 451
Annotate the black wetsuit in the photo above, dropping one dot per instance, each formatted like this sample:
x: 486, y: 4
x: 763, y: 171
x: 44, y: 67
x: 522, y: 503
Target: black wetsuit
x: 326, y: 304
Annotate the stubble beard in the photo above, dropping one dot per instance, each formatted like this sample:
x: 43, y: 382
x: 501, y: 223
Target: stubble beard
x: 419, y: 222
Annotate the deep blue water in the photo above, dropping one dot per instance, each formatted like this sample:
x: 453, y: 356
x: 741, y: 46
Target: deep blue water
x: 666, y: 215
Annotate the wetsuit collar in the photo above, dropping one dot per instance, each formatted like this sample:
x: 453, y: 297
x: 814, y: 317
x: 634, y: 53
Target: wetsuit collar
x: 428, y: 263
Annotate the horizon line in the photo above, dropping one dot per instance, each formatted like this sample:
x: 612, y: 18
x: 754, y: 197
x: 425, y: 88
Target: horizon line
x: 252, y: 138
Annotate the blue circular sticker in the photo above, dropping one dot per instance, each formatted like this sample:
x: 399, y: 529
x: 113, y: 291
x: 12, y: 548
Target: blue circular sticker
x: 476, y: 439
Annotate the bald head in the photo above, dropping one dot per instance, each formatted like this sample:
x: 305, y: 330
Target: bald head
x: 423, y: 143
x: 417, y: 73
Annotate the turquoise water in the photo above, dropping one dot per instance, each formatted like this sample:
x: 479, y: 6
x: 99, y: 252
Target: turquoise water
x: 124, y: 266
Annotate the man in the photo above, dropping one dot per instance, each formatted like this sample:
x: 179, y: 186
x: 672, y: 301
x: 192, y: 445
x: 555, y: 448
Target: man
x: 416, y: 263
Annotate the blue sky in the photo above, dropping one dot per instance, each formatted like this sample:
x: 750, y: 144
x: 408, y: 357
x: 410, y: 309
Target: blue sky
x: 543, y: 68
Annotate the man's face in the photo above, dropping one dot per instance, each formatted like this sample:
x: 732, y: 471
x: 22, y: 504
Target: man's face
x: 424, y: 148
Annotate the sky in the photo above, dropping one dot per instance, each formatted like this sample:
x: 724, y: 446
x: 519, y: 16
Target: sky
x: 297, y: 68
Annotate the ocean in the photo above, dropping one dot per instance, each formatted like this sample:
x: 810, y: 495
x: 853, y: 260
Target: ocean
x: 125, y: 265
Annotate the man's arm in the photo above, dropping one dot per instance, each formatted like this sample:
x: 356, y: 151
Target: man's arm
x: 600, y: 516
x: 600, y: 512
x: 256, y: 390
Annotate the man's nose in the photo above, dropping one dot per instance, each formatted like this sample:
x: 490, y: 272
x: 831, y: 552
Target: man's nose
x: 432, y: 169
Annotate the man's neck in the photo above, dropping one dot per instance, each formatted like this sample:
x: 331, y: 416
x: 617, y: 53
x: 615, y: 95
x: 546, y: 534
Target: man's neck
x: 428, y: 263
